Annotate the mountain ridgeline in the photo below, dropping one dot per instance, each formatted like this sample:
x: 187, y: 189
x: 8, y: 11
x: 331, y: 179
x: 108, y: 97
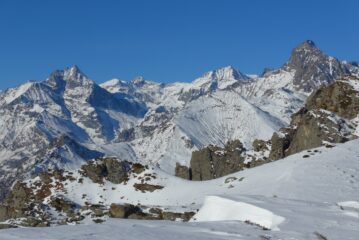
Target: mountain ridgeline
x: 187, y: 129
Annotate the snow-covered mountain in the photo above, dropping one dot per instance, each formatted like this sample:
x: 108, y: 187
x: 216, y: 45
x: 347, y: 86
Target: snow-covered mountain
x: 68, y: 118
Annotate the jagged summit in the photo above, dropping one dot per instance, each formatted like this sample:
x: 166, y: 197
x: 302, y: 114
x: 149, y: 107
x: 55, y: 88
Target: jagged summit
x: 220, y: 78
x: 74, y: 73
x: 307, y: 44
x: 312, y: 67
x: 225, y: 73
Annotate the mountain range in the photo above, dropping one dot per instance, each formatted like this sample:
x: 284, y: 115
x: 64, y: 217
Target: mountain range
x: 67, y: 119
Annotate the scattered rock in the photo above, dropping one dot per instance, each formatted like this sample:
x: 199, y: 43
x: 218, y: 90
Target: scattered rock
x: 144, y: 187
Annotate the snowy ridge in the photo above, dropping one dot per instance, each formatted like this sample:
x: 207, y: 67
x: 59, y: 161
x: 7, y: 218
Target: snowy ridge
x: 145, y: 121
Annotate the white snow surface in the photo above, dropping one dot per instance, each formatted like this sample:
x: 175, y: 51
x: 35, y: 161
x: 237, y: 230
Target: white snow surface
x: 221, y: 209
x: 301, y: 198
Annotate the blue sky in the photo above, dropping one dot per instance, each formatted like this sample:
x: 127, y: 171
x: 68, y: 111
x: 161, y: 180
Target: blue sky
x: 166, y: 40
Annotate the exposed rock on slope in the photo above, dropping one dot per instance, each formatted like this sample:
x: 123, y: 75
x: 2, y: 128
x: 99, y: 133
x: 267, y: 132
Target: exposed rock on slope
x: 327, y: 118
x: 214, y: 162
x: 45, y: 199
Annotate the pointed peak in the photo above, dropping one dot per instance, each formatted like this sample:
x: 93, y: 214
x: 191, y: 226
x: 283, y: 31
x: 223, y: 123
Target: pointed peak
x: 307, y: 44
x: 224, y: 73
x: 73, y: 72
x: 304, y: 53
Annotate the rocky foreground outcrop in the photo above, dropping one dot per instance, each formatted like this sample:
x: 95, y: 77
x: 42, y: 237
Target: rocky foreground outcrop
x: 327, y: 118
x: 45, y: 200
x: 213, y: 162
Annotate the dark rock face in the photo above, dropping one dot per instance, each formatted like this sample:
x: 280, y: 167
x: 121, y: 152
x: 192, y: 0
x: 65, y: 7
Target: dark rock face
x: 322, y: 121
x: 260, y: 145
x: 106, y: 168
x: 280, y: 143
x: 339, y: 97
x: 214, y: 162
x: 314, y: 128
x: 313, y: 68
x: 183, y: 172
x: 17, y: 203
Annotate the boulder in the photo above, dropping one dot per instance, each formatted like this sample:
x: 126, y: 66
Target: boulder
x: 123, y: 210
x: 214, y: 162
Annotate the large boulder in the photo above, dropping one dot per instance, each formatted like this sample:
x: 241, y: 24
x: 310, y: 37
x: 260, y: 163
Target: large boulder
x: 123, y: 210
x: 214, y: 162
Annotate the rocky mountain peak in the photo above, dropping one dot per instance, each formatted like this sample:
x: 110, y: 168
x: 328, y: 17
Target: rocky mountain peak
x: 312, y: 67
x: 307, y: 44
x: 74, y: 74
x: 305, y: 53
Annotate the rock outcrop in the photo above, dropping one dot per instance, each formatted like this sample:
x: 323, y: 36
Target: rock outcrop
x: 325, y: 119
x: 213, y: 162
x: 106, y: 168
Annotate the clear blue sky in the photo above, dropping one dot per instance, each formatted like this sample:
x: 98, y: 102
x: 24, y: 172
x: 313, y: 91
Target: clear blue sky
x: 166, y: 40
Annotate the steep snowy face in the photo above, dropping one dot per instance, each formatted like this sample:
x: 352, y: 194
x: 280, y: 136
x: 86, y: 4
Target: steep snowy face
x: 313, y: 68
x: 56, y: 123
x: 138, y: 90
x: 94, y: 109
x: 274, y: 93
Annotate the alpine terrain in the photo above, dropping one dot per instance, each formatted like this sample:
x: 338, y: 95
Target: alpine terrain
x: 226, y: 156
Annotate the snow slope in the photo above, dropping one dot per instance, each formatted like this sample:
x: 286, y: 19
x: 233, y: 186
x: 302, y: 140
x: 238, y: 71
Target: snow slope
x: 220, y: 209
x: 301, y: 198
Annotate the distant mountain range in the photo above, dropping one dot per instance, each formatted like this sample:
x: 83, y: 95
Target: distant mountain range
x: 67, y: 119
